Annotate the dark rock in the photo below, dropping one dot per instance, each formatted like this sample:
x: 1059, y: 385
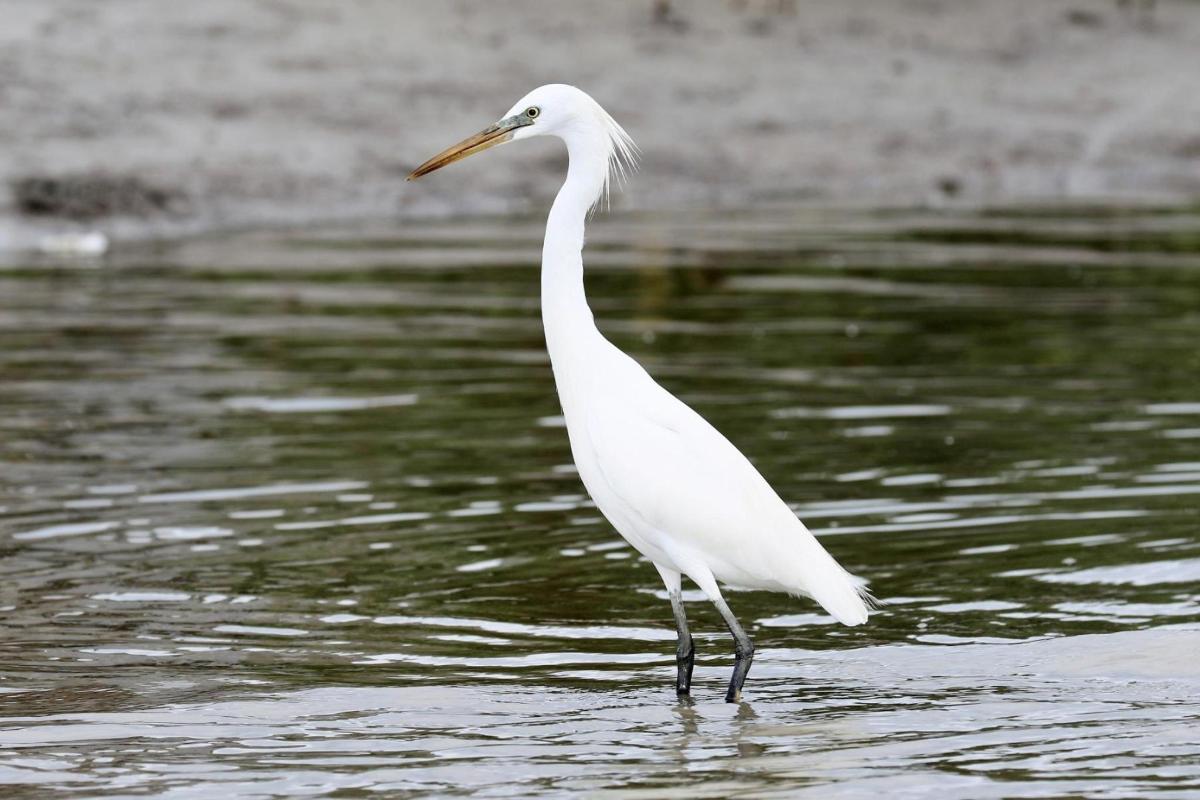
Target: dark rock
x: 92, y: 196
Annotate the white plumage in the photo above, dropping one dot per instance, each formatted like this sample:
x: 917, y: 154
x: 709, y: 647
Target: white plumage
x: 666, y: 479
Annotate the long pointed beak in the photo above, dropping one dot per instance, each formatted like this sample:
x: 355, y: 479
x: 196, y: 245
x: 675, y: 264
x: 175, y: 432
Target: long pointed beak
x: 490, y: 136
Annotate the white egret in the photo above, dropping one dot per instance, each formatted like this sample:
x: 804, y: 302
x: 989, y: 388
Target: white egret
x: 667, y: 480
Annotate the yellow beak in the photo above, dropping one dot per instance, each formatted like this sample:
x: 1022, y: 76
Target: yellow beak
x: 490, y: 136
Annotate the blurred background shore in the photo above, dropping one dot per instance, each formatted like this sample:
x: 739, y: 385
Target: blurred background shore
x: 137, y: 118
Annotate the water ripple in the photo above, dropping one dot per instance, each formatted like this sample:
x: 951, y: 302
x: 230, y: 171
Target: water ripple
x: 293, y: 514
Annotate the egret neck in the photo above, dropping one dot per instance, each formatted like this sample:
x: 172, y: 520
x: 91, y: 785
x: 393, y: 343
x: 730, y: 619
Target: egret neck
x: 570, y: 327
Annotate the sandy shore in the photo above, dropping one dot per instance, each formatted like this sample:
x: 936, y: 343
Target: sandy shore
x: 140, y: 118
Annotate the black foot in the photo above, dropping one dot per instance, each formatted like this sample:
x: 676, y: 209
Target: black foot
x: 743, y: 657
x: 685, y: 660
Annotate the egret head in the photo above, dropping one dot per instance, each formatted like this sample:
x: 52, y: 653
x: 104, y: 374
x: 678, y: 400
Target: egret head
x: 551, y: 110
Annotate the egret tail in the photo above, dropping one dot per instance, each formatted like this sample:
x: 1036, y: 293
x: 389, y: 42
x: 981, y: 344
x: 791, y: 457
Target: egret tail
x: 808, y: 569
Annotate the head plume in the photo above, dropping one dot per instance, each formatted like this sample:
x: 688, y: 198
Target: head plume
x: 622, y: 156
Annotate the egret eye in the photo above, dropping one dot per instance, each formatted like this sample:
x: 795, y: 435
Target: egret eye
x: 532, y: 112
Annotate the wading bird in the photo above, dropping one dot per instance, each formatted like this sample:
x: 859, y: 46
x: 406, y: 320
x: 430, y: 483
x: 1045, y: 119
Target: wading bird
x: 667, y: 480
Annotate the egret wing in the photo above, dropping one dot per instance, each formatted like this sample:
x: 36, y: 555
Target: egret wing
x: 680, y: 476
x: 683, y: 479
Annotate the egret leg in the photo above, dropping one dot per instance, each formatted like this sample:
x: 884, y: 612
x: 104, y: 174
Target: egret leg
x: 685, y: 649
x: 743, y: 648
x: 743, y: 651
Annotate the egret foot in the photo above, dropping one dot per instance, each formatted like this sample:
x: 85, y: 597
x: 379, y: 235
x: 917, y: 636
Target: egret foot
x: 685, y: 659
x: 743, y: 656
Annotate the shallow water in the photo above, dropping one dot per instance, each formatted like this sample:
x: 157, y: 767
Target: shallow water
x: 293, y: 514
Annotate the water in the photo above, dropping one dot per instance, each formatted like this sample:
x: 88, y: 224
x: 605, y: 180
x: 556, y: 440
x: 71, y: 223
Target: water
x: 293, y: 514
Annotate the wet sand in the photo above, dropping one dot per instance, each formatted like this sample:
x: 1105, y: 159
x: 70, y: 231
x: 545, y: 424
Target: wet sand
x: 186, y: 117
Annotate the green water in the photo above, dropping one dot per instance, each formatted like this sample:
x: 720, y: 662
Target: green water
x: 294, y: 514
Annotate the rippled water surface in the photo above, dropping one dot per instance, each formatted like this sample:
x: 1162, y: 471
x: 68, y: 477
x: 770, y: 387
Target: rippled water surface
x: 294, y: 514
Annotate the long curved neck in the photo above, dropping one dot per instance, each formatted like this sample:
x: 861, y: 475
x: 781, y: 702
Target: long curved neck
x: 565, y: 314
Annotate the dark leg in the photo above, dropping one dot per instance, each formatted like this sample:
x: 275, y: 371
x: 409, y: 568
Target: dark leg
x: 743, y: 652
x: 685, y: 650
